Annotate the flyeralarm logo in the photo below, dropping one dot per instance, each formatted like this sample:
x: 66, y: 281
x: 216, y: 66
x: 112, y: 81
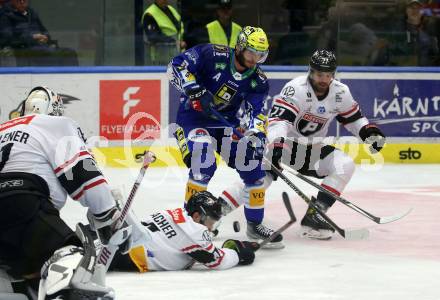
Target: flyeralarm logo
x: 120, y: 100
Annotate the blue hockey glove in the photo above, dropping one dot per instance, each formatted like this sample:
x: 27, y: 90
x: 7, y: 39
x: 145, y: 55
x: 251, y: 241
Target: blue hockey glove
x: 200, y: 99
x: 256, y: 145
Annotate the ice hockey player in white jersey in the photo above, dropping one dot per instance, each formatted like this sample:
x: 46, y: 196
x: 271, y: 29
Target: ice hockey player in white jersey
x: 298, y: 122
x: 43, y: 160
x: 176, y: 239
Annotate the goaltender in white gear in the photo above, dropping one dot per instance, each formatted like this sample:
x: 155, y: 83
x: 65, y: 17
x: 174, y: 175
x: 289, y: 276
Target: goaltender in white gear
x: 298, y: 123
x: 175, y: 239
x: 43, y: 160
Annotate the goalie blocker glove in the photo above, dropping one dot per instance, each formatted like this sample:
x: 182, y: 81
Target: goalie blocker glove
x: 105, y: 226
x: 371, y: 134
x: 245, y: 250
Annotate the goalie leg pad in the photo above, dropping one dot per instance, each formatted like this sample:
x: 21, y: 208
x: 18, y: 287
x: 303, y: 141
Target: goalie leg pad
x: 69, y: 272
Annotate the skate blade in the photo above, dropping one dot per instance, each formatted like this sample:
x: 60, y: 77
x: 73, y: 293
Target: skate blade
x: 309, y: 233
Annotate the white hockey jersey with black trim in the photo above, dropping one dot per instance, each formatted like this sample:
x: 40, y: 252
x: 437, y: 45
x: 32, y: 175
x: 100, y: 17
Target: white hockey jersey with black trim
x: 297, y: 113
x: 171, y: 240
x: 53, y: 148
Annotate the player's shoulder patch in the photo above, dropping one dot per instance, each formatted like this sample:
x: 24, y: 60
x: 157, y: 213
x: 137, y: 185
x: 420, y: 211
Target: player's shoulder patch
x: 220, y: 48
x: 219, y: 52
x: 261, y: 74
x: 177, y: 215
x: 192, y: 55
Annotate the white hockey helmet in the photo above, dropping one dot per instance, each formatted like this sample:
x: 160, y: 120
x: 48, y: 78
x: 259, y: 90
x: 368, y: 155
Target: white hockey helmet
x: 42, y: 100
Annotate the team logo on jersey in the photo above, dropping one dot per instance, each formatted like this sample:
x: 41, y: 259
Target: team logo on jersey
x: 224, y: 95
x: 177, y: 215
x: 220, y: 66
x: 320, y: 110
x: 253, y: 83
x: 338, y: 97
x: 310, y: 124
x: 288, y: 91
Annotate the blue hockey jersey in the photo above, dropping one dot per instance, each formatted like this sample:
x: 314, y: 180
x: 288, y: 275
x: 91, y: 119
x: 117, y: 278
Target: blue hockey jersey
x: 212, y: 67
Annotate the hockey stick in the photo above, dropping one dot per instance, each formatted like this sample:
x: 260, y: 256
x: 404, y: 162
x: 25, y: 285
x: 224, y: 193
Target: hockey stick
x: 348, y: 234
x: 378, y: 220
x: 352, y: 234
x: 106, y: 254
x: 292, y: 220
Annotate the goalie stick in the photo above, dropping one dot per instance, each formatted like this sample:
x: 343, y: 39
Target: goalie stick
x: 106, y: 254
x: 378, y: 220
x: 348, y: 234
x: 292, y: 220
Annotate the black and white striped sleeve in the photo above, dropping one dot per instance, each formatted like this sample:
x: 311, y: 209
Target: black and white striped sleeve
x: 77, y: 171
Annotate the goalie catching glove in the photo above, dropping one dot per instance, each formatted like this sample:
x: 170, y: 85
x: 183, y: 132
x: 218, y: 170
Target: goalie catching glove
x: 244, y: 249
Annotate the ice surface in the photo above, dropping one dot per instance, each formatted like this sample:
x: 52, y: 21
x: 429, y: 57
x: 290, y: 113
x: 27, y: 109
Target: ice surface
x: 399, y: 261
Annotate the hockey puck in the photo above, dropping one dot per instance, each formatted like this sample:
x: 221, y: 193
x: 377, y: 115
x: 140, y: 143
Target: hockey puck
x: 236, y: 226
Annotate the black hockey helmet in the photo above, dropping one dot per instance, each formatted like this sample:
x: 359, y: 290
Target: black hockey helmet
x: 205, y: 204
x: 323, y: 60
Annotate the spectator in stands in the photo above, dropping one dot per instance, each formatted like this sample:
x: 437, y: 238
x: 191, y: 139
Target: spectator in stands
x: 422, y: 34
x: 223, y: 30
x: 164, y: 31
x: 7, y: 58
x: 2, y: 9
x: 22, y: 29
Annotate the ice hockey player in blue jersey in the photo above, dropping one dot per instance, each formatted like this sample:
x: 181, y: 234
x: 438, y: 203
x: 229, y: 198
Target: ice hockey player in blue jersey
x: 214, y: 77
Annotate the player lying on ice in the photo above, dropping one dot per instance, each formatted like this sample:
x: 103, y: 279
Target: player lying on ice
x: 176, y: 239
x: 43, y: 159
x: 213, y: 76
x: 298, y: 123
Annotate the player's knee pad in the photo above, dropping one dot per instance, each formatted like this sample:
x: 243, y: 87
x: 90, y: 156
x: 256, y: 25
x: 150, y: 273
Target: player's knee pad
x: 339, y: 172
x: 232, y: 197
x: 63, y: 276
x: 194, y: 186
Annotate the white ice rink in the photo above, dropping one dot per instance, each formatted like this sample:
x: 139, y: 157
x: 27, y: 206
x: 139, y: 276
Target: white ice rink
x: 399, y: 261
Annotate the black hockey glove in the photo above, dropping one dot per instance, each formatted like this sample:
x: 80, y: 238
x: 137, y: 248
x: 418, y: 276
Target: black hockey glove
x: 277, y: 152
x: 245, y: 250
x: 255, y: 145
x: 371, y: 134
x: 200, y: 99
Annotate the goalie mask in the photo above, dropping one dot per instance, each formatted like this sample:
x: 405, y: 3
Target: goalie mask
x: 206, y: 205
x: 42, y: 100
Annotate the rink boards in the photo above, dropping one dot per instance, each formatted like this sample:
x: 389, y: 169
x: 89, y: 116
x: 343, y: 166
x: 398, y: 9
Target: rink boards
x: 125, y: 110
